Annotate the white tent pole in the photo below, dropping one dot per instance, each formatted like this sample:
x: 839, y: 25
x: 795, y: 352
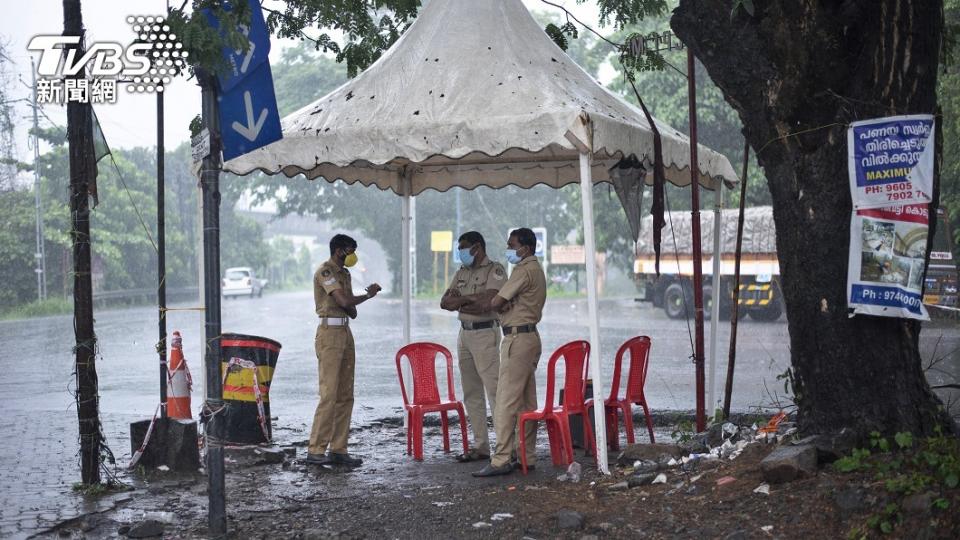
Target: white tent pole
x: 405, y: 257
x: 715, y: 307
x: 600, y: 424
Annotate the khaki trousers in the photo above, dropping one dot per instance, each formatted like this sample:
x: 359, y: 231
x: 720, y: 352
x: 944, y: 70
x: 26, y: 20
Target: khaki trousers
x: 335, y: 364
x: 516, y: 393
x: 478, y: 353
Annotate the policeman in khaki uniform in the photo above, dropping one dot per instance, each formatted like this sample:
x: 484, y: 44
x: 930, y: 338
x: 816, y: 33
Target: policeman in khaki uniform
x: 478, y: 346
x: 336, y: 305
x: 520, y: 303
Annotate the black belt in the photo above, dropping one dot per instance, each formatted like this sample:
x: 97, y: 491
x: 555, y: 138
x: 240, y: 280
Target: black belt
x: 468, y: 325
x: 522, y: 329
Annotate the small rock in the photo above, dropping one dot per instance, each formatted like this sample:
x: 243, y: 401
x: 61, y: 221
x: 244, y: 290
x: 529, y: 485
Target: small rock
x: 787, y: 463
x: 660, y: 479
x: 918, y: 503
x: 737, y: 535
x: 568, y: 519
x: 645, y: 466
x: 145, y: 529
x: 481, y: 525
x: 620, y: 486
x: 124, y: 529
x: 640, y: 480
x: 833, y: 446
x: 605, y: 526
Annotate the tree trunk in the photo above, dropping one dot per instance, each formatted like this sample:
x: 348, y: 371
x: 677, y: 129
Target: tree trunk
x: 798, y: 72
x: 82, y: 171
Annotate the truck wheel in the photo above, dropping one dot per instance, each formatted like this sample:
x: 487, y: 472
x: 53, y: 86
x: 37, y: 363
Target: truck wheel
x: 768, y: 313
x: 707, y: 302
x: 260, y: 293
x: 677, y: 300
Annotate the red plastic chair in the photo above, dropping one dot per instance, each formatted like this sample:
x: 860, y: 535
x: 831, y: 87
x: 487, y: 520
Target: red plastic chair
x: 576, y: 359
x: 639, y: 348
x: 426, y: 395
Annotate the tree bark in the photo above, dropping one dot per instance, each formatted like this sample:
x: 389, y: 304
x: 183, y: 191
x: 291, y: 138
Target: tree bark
x: 798, y: 72
x: 82, y: 171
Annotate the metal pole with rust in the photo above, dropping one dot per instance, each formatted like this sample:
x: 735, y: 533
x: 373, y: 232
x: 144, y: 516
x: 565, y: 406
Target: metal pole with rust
x: 697, y: 250
x: 735, y: 309
x: 210, y: 185
x: 161, y: 262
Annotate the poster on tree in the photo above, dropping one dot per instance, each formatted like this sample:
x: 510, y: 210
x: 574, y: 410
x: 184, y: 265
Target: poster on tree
x: 887, y: 261
x: 891, y: 160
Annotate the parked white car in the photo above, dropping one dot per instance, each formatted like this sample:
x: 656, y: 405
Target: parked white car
x: 241, y: 281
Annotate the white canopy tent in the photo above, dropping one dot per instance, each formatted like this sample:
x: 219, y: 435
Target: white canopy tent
x: 476, y: 94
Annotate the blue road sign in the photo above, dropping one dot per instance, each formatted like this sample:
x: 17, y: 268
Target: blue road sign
x: 248, y: 114
x: 241, y: 63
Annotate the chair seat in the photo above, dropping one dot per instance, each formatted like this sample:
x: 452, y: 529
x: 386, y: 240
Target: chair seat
x: 436, y: 407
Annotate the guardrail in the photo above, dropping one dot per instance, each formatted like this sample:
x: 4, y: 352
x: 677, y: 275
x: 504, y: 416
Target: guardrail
x: 143, y: 295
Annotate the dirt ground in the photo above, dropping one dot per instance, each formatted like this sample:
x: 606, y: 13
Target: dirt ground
x: 392, y: 496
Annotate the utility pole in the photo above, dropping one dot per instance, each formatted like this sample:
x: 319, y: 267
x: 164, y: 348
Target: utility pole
x: 40, y: 255
x: 161, y: 261
x: 210, y: 201
x: 82, y: 173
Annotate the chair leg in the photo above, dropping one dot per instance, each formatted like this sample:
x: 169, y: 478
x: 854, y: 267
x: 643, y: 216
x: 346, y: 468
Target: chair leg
x: 409, y: 432
x: 418, y: 436
x: 564, y: 422
x: 646, y: 414
x: 613, y: 428
x: 555, y: 438
x: 463, y: 428
x: 591, y: 441
x: 523, y: 446
x: 628, y: 422
x: 445, y: 424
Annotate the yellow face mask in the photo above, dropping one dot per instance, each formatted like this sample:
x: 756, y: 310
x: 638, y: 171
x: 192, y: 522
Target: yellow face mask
x: 350, y: 260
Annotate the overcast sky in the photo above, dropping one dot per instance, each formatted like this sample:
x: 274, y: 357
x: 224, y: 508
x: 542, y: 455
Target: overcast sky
x: 131, y: 121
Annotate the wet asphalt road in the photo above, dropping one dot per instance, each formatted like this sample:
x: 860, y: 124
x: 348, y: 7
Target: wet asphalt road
x: 39, y: 447
x: 37, y: 362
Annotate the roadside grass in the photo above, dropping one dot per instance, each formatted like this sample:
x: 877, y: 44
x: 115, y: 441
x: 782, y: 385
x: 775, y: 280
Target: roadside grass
x: 45, y: 308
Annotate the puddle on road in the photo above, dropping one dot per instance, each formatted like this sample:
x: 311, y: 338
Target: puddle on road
x: 130, y: 515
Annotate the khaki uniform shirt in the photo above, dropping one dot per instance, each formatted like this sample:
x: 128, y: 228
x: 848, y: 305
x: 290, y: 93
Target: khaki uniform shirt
x: 328, y: 278
x: 469, y: 280
x: 526, y: 290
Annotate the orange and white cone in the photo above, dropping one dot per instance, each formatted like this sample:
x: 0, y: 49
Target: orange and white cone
x: 179, y: 381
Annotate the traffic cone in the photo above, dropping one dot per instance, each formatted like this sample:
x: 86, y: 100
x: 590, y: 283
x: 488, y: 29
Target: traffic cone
x: 180, y: 383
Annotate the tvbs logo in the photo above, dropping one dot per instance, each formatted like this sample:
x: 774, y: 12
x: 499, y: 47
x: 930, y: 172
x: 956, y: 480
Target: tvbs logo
x: 144, y: 66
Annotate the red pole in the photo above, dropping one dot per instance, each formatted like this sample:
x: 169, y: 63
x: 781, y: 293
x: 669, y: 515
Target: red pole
x: 697, y: 254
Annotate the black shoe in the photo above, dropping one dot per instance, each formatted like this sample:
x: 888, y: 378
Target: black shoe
x: 344, y: 459
x: 490, y: 470
x: 519, y: 466
x: 317, y: 459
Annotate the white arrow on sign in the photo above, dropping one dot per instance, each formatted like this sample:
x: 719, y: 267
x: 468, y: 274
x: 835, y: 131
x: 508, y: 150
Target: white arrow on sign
x: 251, y: 130
x: 246, y: 59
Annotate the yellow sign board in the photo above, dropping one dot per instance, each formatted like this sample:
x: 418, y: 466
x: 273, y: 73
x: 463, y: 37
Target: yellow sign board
x: 441, y: 241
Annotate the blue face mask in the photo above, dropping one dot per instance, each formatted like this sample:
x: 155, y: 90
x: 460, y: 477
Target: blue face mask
x: 512, y: 257
x: 466, y: 257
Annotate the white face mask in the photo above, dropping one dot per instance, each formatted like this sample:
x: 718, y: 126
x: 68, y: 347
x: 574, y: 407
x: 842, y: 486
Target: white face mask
x: 512, y: 257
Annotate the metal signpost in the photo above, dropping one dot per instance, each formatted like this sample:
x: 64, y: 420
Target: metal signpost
x: 242, y: 102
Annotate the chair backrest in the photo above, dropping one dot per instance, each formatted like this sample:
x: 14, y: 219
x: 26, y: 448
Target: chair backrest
x: 422, y: 358
x: 576, y: 360
x: 639, y: 349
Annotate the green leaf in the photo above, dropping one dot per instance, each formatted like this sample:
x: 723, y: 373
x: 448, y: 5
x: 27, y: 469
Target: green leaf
x: 904, y: 439
x: 951, y: 480
x: 941, y: 503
